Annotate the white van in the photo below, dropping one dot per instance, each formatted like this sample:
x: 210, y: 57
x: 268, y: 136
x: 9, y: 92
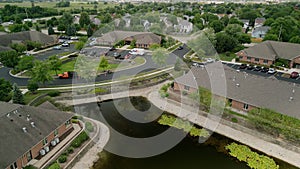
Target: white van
x: 137, y: 51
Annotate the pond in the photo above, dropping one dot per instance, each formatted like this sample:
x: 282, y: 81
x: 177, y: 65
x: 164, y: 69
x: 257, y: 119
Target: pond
x: 187, y: 154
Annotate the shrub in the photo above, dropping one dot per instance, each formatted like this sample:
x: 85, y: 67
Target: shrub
x: 74, y: 120
x: 62, y: 158
x: 54, y: 166
x: 30, y: 167
x: 54, y: 93
x: 82, y: 137
x: 70, y: 150
x: 235, y: 120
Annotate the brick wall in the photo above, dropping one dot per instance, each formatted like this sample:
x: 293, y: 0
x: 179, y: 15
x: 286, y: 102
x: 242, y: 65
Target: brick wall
x: 35, y: 151
x: 240, y: 106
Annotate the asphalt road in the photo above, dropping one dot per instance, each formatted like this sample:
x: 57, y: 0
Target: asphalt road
x: 96, y: 52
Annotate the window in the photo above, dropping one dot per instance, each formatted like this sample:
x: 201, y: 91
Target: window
x: 241, y: 57
x: 45, y: 141
x: 55, y: 132
x: 265, y: 61
x: 186, y: 87
x: 256, y: 60
x: 248, y: 58
x: 245, y: 106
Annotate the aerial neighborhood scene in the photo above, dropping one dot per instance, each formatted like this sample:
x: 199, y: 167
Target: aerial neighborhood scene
x: 131, y: 84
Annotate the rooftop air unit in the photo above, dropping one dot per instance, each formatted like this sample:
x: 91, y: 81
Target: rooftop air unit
x: 42, y: 152
x: 47, y: 149
x: 32, y: 124
x: 57, y: 140
x: 53, y: 143
x: 24, y: 129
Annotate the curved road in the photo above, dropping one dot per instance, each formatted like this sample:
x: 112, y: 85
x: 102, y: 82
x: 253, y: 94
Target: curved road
x: 148, y: 66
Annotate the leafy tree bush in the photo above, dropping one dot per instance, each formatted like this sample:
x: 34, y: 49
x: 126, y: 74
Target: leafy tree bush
x: 253, y: 159
x: 17, y: 97
x: 30, y: 167
x: 81, y: 138
x: 54, y: 166
x: 185, y: 125
x: 54, y: 93
x: 9, y: 58
x: 62, y: 158
x: 5, y: 90
x: 70, y: 150
x: 32, y: 86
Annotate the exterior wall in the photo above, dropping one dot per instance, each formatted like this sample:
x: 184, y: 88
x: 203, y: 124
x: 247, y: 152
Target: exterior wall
x: 295, y: 61
x: 35, y: 150
x: 244, y: 57
x: 240, y: 106
x: 180, y: 87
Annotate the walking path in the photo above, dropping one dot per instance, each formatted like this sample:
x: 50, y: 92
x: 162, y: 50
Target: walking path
x: 100, y: 139
x: 231, y: 130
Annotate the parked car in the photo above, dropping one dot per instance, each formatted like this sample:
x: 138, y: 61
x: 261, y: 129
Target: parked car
x: 65, y: 75
x: 117, y: 55
x: 294, y: 75
x: 243, y: 66
x: 250, y: 67
x: 210, y: 60
x: 65, y: 44
x: 271, y: 71
x: 257, y: 68
x: 180, y: 48
x: 264, y: 69
x: 112, y: 49
x: 57, y: 47
x: 198, y: 64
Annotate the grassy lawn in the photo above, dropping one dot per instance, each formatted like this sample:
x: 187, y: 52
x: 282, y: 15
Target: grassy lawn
x: 74, y: 5
x: 28, y: 97
x: 112, y: 67
x: 227, y: 58
x: 69, y: 66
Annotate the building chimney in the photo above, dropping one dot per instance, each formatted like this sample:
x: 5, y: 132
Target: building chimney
x: 24, y: 129
x: 32, y: 124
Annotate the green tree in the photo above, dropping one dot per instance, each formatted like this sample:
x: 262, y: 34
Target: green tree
x: 19, y: 47
x: 216, y: 25
x: 233, y: 29
x: 32, y: 45
x: 71, y: 30
x: 243, y: 38
x: 177, y: 66
x: 225, y: 20
x: 133, y: 43
x: 67, y: 18
x: 79, y: 45
x: 61, y: 27
x: 84, y: 19
x: 225, y: 42
x: 40, y: 73
x: 295, y: 39
x: 154, y: 46
x: 155, y: 28
x: 37, y: 27
x: 18, y: 27
x: 32, y: 86
x: 17, y: 97
x: 25, y: 63
x: 50, y: 30
x: 270, y: 37
x: 89, y: 31
x: 55, y: 63
x: 159, y: 56
x: 103, y: 63
x: 5, y: 90
x: 9, y: 58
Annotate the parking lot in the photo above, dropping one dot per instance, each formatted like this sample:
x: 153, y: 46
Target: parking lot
x: 277, y: 75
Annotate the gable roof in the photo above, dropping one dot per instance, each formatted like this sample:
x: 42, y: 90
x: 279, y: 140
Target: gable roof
x: 254, y: 90
x: 272, y: 50
x: 116, y: 36
x: 263, y: 29
x: 18, y: 37
x: 13, y: 141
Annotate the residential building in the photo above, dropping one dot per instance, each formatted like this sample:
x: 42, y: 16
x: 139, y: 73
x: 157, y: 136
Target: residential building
x: 143, y: 39
x: 267, y: 52
x: 260, y: 32
x: 183, y: 26
x: 28, y: 133
x: 259, y: 22
x: 245, y: 22
x: 242, y: 90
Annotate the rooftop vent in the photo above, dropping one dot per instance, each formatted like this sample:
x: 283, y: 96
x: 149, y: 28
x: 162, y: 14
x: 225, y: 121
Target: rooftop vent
x: 237, y: 85
x: 291, y: 98
x: 293, y: 91
x: 7, y: 115
x: 32, y: 124
x: 24, y: 129
x: 28, y: 117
